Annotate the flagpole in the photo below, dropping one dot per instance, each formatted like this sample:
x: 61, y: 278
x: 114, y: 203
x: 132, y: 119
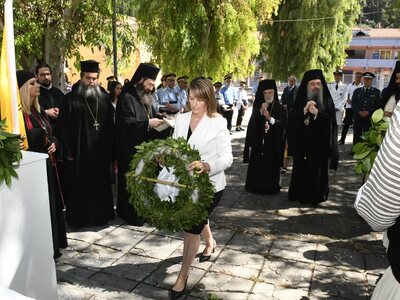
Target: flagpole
x: 9, y: 26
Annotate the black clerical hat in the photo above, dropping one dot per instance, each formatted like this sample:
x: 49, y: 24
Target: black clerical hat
x: 145, y: 70
x: 369, y: 75
x: 227, y: 76
x: 312, y: 75
x: 23, y: 76
x: 90, y: 66
x: 266, y: 84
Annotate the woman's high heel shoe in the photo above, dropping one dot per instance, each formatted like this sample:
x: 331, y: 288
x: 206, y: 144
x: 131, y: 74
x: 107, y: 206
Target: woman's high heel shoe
x: 204, y: 258
x: 175, y: 294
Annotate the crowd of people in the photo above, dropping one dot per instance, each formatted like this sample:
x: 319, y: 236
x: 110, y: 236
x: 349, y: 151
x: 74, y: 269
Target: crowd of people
x: 89, y: 133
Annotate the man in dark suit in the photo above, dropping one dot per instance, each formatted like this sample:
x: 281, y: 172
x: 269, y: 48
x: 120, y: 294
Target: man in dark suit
x: 288, y: 92
x: 365, y: 101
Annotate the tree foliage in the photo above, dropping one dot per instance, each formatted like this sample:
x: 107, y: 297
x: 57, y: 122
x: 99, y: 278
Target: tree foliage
x: 381, y: 13
x: 307, y: 34
x: 50, y: 30
x: 202, y: 37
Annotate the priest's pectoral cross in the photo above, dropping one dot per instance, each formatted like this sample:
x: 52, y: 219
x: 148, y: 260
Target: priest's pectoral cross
x: 96, y: 125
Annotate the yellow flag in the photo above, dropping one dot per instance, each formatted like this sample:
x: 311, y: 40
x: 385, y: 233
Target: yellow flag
x: 10, y: 103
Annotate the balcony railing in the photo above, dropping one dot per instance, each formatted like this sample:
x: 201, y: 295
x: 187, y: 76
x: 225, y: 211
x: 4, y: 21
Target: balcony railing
x: 370, y: 63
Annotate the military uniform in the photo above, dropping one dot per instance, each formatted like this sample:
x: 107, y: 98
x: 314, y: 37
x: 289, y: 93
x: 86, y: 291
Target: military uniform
x: 364, y: 99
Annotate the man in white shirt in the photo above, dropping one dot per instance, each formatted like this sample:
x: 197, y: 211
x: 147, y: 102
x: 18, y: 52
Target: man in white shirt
x: 348, y: 118
x: 241, y: 105
x: 338, y: 92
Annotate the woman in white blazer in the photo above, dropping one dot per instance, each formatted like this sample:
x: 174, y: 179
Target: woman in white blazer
x: 206, y: 131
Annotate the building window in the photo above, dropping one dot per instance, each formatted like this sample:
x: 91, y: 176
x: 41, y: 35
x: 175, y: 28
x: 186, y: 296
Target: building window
x: 355, y: 54
x: 397, y: 55
x: 382, y: 54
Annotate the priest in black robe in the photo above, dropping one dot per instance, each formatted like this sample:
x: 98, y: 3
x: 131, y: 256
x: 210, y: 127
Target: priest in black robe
x: 313, y: 140
x: 50, y: 98
x: 87, y: 135
x: 264, y: 146
x: 391, y: 94
x: 135, y: 120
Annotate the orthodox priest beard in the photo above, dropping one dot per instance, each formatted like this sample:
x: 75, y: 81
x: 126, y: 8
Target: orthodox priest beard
x: 317, y: 97
x: 91, y: 91
x: 145, y: 97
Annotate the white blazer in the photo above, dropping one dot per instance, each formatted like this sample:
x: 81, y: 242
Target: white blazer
x: 211, y: 138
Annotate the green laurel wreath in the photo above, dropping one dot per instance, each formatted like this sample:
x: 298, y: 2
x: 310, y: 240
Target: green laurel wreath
x: 141, y: 178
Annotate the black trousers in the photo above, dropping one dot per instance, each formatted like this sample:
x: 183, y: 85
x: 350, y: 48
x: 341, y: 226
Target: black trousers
x: 228, y: 114
x: 240, y: 117
x: 348, y: 120
x: 361, y: 125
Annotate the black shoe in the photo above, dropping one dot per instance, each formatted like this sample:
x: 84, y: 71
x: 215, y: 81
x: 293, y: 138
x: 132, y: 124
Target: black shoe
x: 242, y: 129
x: 175, y: 295
x: 204, y: 258
x: 237, y: 129
x: 341, y: 142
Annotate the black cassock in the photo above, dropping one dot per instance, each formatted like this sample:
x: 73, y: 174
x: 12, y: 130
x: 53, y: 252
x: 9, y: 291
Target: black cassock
x: 312, y: 145
x: 39, y: 134
x: 50, y: 98
x: 132, y: 128
x: 87, y: 155
x: 264, y: 151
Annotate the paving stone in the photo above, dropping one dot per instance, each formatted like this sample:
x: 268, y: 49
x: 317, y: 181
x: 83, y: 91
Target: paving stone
x: 376, y: 263
x: 335, y: 282
x: 340, y: 258
x: 290, y: 294
x: 296, y: 250
x: 286, y: 273
x: 121, y: 239
x: 238, y: 263
x: 133, y: 267
x: 167, y: 273
x: 95, y: 257
x: 220, y: 283
x: 145, y: 228
x: 250, y: 243
x: 113, y: 281
x: 68, y: 291
x: 90, y: 234
x: 262, y: 290
x: 371, y: 283
x: 74, y: 270
x: 152, y: 292
x: 157, y: 246
x: 76, y: 245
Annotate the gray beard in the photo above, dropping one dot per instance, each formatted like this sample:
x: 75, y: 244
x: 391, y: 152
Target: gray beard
x: 269, y: 101
x: 89, y: 91
x: 316, y: 96
x: 145, y: 98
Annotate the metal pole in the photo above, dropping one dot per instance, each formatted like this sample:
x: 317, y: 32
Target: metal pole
x: 114, y: 29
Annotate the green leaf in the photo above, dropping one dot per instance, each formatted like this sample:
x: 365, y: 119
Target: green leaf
x: 366, y: 165
x: 358, y: 168
x: 362, y: 155
x: 379, y: 140
x: 377, y: 116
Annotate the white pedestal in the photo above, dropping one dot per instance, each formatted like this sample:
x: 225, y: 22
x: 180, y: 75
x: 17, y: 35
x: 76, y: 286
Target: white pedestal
x: 26, y: 247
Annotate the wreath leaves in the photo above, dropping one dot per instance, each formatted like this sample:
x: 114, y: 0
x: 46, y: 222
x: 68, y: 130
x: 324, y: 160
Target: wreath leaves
x: 185, y: 212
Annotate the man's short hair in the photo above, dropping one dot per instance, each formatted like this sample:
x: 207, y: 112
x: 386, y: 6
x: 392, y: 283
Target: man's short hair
x: 42, y: 65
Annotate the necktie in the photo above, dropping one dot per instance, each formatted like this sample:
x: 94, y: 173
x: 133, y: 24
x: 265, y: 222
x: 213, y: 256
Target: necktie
x: 336, y: 87
x: 366, y: 92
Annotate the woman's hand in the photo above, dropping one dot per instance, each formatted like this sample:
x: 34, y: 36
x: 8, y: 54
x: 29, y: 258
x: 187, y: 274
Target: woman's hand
x: 51, y: 149
x: 199, y: 167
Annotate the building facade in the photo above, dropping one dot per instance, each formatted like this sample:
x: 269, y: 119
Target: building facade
x: 375, y: 50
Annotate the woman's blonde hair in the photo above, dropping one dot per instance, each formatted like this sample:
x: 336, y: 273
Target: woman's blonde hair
x: 25, y: 98
x: 203, y: 89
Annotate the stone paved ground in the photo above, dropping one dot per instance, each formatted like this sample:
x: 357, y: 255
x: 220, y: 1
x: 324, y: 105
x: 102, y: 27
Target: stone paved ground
x: 268, y: 248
